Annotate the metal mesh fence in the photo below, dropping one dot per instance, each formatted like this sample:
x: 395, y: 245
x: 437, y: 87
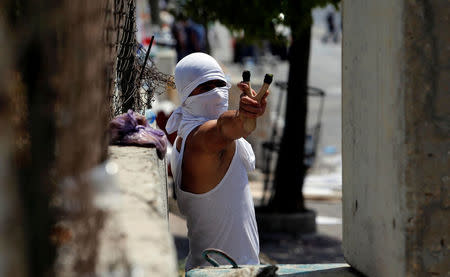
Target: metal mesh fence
x: 137, y: 80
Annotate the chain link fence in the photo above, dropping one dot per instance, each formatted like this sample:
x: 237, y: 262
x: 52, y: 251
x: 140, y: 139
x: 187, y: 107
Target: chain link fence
x: 137, y: 79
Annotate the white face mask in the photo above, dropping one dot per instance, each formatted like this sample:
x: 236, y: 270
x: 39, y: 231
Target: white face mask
x: 209, y: 104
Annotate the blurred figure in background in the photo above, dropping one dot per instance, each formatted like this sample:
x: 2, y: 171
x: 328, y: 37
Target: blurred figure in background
x: 180, y: 36
x: 196, y: 37
x: 332, y: 27
x: 190, y: 37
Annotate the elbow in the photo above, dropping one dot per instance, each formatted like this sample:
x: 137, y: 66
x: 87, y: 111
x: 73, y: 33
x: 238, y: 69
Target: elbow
x: 247, y: 130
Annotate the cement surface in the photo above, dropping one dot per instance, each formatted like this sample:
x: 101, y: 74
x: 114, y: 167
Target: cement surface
x: 309, y: 270
x: 396, y: 137
x: 373, y: 135
x: 135, y: 240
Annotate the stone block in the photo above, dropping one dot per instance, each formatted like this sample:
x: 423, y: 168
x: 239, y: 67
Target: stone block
x: 396, y: 138
x: 306, y: 270
x: 135, y: 240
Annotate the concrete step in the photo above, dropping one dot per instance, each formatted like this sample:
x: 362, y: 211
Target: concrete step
x: 304, y: 270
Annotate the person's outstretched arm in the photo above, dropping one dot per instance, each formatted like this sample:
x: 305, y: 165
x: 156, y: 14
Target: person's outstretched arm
x: 216, y: 135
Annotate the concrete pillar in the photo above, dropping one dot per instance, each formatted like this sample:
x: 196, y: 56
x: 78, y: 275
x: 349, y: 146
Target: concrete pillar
x: 396, y: 137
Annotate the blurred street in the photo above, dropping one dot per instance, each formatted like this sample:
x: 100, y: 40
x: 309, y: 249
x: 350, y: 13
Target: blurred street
x: 322, y: 188
x: 323, y: 181
x: 94, y: 116
x: 324, y: 178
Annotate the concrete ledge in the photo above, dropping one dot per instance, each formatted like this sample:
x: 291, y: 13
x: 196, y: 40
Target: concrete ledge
x: 135, y: 240
x: 299, y: 223
x: 306, y: 270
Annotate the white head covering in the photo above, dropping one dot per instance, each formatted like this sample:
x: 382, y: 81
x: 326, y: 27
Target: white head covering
x: 190, y: 72
x: 196, y: 69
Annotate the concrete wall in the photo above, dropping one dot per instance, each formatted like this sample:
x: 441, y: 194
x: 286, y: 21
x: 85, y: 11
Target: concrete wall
x: 135, y: 240
x: 132, y: 233
x: 427, y: 120
x: 396, y: 141
x: 133, y: 237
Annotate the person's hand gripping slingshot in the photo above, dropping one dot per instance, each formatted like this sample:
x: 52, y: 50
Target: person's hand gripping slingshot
x: 252, y: 104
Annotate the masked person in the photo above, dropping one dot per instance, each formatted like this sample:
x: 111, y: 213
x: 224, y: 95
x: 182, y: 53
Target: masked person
x: 210, y: 161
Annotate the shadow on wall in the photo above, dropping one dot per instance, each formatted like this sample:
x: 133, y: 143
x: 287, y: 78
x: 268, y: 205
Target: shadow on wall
x: 182, y: 246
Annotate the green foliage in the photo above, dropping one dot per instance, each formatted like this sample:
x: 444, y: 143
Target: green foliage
x: 255, y: 17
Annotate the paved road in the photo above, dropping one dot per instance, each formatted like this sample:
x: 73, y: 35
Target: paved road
x: 281, y: 248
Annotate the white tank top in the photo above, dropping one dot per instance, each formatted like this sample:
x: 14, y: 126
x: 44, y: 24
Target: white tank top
x: 223, y: 217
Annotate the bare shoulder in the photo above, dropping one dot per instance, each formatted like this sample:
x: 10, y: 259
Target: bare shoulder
x: 208, y: 139
x: 204, y: 149
x: 204, y: 165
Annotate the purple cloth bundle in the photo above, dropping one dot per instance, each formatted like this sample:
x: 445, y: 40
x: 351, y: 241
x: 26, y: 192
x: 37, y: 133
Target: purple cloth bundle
x: 132, y: 128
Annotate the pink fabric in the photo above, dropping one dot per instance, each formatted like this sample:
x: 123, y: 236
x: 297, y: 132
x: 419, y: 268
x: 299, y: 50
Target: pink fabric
x: 132, y: 128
